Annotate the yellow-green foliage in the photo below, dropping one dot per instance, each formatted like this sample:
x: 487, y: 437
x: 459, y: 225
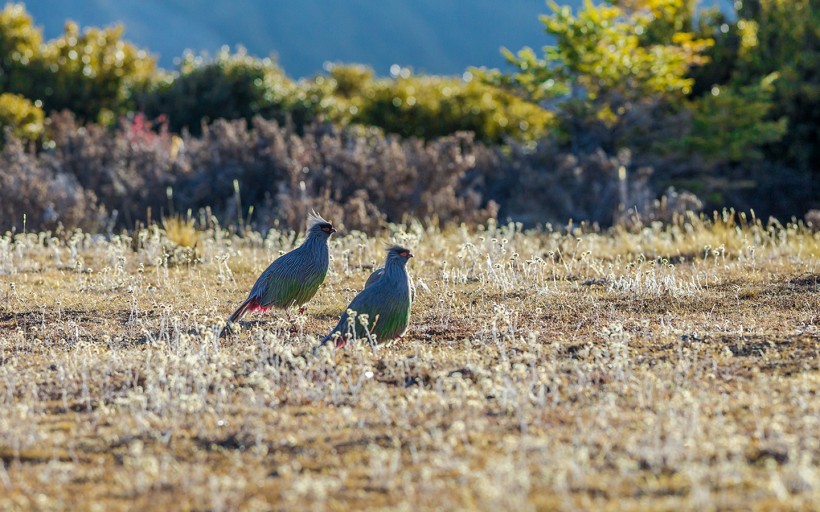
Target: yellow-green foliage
x: 20, y: 43
x: 229, y: 85
x: 616, y: 56
x: 629, y: 50
x: 428, y: 106
x: 90, y: 73
x: 23, y: 117
x: 235, y: 85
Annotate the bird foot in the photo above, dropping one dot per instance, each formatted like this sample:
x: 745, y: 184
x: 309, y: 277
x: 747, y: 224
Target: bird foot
x: 228, y: 329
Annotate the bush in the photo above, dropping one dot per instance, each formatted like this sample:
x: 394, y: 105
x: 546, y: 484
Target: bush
x: 90, y: 73
x: 429, y: 107
x: 730, y: 123
x: 237, y: 86
x: 21, y: 117
x: 20, y: 47
x: 34, y: 190
x: 227, y: 86
x: 129, y: 168
x: 359, y: 177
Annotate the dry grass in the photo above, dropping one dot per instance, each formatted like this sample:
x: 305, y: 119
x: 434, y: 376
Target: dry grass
x: 181, y: 231
x: 673, y: 368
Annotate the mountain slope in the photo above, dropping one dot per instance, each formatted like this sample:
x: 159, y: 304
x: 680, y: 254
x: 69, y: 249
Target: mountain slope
x: 433, y: 36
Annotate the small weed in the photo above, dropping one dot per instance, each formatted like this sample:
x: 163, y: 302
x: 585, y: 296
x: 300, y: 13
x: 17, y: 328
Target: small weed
x: 181, y: 231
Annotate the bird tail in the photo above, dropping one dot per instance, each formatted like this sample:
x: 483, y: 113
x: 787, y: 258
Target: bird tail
x: 338, y: 341
x: 248, y: 304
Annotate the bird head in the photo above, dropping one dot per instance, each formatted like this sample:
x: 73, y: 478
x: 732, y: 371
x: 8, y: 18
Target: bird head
x: 399, y: 254
x: 317, y: 226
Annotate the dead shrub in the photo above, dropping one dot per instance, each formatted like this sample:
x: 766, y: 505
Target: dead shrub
x: 360, y: 177
x: 46, y: 197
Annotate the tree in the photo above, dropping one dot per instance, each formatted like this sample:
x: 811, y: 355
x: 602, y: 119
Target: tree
x: 730, y: 124
x: 770, y: 38
x: 609, y: 57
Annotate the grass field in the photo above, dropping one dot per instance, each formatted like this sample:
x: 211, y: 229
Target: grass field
x: 664, y: 368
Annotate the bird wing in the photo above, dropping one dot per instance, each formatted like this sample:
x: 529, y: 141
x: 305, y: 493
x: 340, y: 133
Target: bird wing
x: 361, y: 304
x: 379, y: 272
x: 387, y: 307
x: 291, y: 278
x: 375, y: 276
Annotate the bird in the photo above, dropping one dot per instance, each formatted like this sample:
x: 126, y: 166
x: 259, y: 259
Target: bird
x: 386, y: 301
x: 372, y: 278
x: 293, y: 278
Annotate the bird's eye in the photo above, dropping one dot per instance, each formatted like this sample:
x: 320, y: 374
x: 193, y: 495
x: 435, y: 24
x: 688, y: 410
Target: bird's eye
x: 404, y: 254
x: 326, y: 228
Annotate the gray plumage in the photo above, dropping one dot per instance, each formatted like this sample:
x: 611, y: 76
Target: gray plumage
x: 386, y: 301
x: 293, y: 278
x: 372, y: 278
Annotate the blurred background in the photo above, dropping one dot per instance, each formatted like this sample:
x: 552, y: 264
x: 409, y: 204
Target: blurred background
x: 431, y: 36
x: 618, y: 112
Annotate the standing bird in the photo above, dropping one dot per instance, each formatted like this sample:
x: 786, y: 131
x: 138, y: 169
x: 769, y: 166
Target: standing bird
x: 379, y: 272
x: 293, y: 278
x: 386, y: 302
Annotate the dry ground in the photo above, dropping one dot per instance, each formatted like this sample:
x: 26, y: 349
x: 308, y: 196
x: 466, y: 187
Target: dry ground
x: 674, y: 368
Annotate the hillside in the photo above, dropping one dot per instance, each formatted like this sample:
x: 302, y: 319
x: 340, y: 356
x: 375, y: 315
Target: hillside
x: 433, y: 36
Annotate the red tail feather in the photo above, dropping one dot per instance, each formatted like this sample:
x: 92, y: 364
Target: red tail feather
x: 250, y: 304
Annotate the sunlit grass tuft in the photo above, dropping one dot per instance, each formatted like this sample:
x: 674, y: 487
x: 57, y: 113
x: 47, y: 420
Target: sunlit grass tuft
x: 181, y: 231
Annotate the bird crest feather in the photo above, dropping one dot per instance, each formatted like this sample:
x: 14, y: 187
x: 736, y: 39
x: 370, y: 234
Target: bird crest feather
x: 314, y: 219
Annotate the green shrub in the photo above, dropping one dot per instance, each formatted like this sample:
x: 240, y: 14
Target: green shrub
x: 92, y: 73
x: 430, y: 106
x: 238, y: 86
x: 765, y: 37
x: 25, y: 119
x: 229, y: 86
x: 426, y: 106
x: 89, y: 73
x: 20, y: 46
